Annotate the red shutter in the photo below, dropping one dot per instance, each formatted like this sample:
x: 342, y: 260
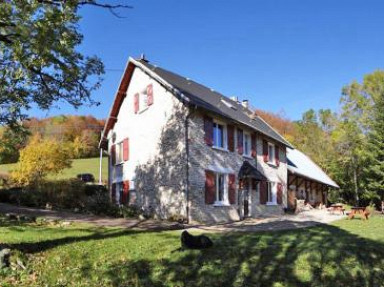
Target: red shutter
x: 124, y: 199
x: 136, y: 103
x: 208, y: 130
x: 126, y: 149
x: 277, y: 155
x: 113, y: 193
x: 263, y: 192
x: 210, y: 187
x: 232, y: 188
x: 149, y: 95
x: 240, y: 141
x: 279, y: 193
x: 231, y: 137
x: 253, y: 145
x: 265, y: 151
x: 113, y: 154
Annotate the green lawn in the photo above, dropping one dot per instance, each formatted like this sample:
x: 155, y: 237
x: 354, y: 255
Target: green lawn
x: 87, y: 165
x: 347, y: 253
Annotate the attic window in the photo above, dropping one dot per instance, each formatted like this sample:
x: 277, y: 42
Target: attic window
x: 229, y: 105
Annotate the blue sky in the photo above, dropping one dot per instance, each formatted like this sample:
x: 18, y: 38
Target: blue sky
x: 283, y: 55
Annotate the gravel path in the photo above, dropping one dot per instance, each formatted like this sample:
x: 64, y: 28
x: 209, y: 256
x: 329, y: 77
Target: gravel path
x: 304, y: 219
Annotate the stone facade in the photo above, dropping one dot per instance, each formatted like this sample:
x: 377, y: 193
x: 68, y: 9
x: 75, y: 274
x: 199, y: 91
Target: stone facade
x: 168, y: 158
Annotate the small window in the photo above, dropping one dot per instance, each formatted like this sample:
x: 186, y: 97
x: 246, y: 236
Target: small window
x: 247, y: 145
x: 119, y: 152
x: 271, y: 193
x: 271, y: 153
x: 219, y: 135
x: 221, y: 189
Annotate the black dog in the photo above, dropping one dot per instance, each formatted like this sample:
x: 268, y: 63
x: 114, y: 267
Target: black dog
x: 195, y: 242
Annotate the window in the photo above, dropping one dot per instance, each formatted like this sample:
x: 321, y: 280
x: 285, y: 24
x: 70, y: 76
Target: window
x: 221, y: 189
x: 219, y: 136
x: 271, y: 153
x: 119, y: 152
x: 247, y: 145
x: 271, y: 193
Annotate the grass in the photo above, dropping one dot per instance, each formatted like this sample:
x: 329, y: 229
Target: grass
x: 346, y: 253
x: 87, y: 165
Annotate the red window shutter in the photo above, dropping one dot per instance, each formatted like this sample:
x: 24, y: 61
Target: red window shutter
x: 277, y: 155
x: 113, y: 154
x: 265, y: 151
x: 240, y: 149
x: 124, y: 199
x: 126, y: 149
x: 113, y: 193
x: 149, y: 94
x: 232, y: 188
x: 263, y: 192
x: 208, y: 130
x: 210, y: 187
x: 231, y: 137
x: 254, y: 184
x: 136, y: 103
x: 253, y: 145
x: 279, y: 193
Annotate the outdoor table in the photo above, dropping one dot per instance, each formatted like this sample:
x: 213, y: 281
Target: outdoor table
x: 358, y: 210
x: 337, y: 207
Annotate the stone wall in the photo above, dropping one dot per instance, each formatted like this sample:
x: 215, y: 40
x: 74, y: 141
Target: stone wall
x: 202, y: 157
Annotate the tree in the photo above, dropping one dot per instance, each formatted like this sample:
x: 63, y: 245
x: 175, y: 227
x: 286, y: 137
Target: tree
x: 39, y: 159
x: 39, y: 63
x: 373, y: 86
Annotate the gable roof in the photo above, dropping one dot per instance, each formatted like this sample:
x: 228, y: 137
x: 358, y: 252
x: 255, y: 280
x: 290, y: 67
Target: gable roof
x: 192, y: 93
x: 299, y: 163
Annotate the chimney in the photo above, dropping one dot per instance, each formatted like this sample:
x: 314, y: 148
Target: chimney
x: 142, y: 58
x: 245, y: 104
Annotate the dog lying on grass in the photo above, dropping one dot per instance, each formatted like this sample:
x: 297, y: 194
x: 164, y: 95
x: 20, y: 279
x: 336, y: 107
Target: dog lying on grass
x: 195, y: 242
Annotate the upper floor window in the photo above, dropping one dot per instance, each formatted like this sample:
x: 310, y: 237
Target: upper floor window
x: 144, y: 99
x: 271, y: 153
x: 247, y: 144
x: 119, y: 152
x: 219, y: 135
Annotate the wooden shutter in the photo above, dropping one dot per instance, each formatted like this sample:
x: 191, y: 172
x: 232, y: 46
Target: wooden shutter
x: 113, y: 193
x: 149, y: 94
x: 126, y: 149
x: 231, y: 137
x: 208, y: 130
x: 254, y: 184
x: 263, y: 192
x: 277, y: 155
x: 279, y: 193
x: 136, y: 103
x: 210, y: 187
x: 240, y: 149
x: 253, y: 145
x: 232, y: 188
x: 113, y: 154
x: 124, y: 199
x: 265, y: 151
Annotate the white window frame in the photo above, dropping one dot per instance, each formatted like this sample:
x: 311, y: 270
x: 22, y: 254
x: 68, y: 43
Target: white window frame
x: 271, y: 157
x: 225, y: 200
x: 119, y: 152
x: 225, y: 135
x: 247, y: 153
x: 143, y: 102
x: 271, y: 190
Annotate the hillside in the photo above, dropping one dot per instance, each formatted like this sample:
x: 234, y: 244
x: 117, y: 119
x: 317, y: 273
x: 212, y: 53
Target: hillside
x: 86, y: 165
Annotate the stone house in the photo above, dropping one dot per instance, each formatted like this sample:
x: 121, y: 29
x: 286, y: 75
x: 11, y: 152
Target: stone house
x: 180, y: 150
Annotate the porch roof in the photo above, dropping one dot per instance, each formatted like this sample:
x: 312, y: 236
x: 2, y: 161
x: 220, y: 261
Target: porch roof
x: 249, y: 170
x: 300, y: 164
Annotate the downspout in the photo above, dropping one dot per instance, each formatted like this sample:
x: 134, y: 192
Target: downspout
x: 186, y: 127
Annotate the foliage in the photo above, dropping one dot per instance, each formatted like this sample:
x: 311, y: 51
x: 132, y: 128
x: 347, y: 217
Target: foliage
x: 39, y: 159
x: 346, y: 253
x: 11, y: 141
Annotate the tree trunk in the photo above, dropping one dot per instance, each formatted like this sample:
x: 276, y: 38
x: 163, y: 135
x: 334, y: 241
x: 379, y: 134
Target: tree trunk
x: 356, y: 187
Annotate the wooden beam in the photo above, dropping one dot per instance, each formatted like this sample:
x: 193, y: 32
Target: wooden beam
x: 293, y: 178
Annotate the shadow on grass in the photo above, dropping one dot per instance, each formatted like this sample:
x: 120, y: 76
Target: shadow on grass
x: 318, y: 256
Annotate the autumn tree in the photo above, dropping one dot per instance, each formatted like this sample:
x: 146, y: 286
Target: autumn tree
x: 40, y: 158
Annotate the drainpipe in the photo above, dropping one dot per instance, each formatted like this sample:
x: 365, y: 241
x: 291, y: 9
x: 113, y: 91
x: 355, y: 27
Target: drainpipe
x: 186, y: 126
x: 101, y: 167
